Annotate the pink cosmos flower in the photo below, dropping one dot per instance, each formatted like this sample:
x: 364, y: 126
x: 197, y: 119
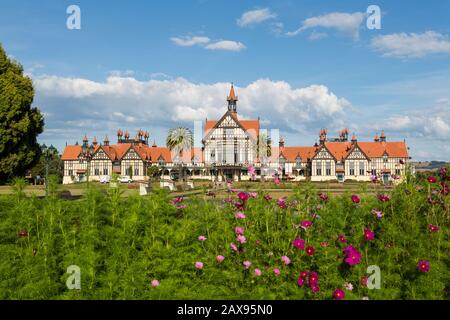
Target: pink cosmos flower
x: 338, y: 294
x: 182, y: 206
x: 239, y: 215
x: 258, y: 272
x: 243, y: 196
x: 247, y: 264
x: 202, y: 238
x: 252, y: 194
x: 378, y: 213
x: 383, y: 197
x: 276, y: 271
x: 220, y: 258
x: 310, y: 250
x: 286, y: 260
x: 233, y: 247
x: 369, y: 235
x: 423, y: 266
x: 155, y: 283
x: 268, y: 197
x: 348, y: 286
x: 342, y: 239
x: 431, y: 179
x: 364, y: 281
x: 199, y: 265
x: 356, y: 199
x: 299, y: 243
x: 433, y: 228
x: 241, y: 239
x: 239, y: 230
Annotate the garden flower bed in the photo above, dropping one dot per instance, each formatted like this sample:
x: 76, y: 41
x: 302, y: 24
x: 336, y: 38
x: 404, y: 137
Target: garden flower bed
x: 309, y: 245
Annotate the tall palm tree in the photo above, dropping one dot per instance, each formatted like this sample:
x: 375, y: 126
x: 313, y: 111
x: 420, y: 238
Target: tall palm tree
x: 178, y: 140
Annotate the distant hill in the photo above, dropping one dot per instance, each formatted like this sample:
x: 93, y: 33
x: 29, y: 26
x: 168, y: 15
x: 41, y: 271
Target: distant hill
x: 429, y: 165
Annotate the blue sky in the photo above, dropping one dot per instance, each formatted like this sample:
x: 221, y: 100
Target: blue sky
x: 158, y: 64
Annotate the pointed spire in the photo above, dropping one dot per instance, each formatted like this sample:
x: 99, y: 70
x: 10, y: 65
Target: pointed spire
x: 85, y: 139
x: 154, y: 144
x: 106, y: 141
x: 94, y: 142
x: 354, y: 138
x: 383, y: 137
x: 232, y: 99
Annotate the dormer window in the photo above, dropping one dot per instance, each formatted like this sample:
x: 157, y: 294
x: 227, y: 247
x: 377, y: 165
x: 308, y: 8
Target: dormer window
x: 298, y: 161
x: 161, y: 161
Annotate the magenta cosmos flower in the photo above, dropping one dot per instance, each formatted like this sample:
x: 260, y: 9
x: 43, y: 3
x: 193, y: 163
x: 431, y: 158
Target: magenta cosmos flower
x: 199, y: 265
x: 202, y: 238
x: 423, y: 266
x: 282, y: 203
x: 352, y: 256
x: 431, y: 179
x: 155, y: 283
x: 433, y: 228
x: 356, y: 199
x: 299, y: 243
x: 341, y: 238
x: 383, y: 197
x: 306, y: 224
x: 323, y: 196
x: 220, y: 258
x: 286, y: 260
x: 243, y: 196
x: 300, y: 281
x: 257, y: 272
x: 369, y: 235
x: 310, y: 251
x: 239, y: 215
x: 338, y: 294
x: 247, y: 264
x: 268, y: 197
x: 313, y: 279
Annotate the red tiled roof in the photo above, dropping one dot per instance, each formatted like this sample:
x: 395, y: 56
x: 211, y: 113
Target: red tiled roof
x: 71, y: 152
x: 339, y: 150
x: 291, y: 153
x: 378, y: 149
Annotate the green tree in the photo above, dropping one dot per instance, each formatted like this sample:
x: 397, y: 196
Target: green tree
x: 19, y: 122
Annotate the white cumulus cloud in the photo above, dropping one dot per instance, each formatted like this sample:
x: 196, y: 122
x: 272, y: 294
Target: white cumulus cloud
x: 411, y: 45
x: 346, y: 23
x: 207, y: 43
x: 255, y: 16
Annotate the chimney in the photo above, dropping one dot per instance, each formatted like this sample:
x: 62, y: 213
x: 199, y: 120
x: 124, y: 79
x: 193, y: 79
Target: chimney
x: 383, y: 137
